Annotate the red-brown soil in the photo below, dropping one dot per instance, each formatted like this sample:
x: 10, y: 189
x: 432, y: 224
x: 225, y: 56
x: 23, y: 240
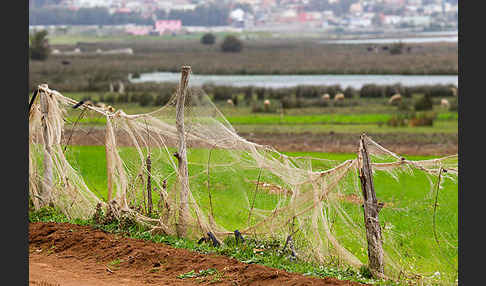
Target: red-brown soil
x: 67, y: 254
x: 438, y: 144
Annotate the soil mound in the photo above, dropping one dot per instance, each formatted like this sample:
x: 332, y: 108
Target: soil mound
x: 68, y: 254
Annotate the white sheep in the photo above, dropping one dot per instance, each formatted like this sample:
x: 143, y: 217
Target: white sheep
x: 444, y: 103
x: 326, y: 97
x: 266, y: 102
x: 339, y: 97
x: 395, y: 99
x: 230, y: 102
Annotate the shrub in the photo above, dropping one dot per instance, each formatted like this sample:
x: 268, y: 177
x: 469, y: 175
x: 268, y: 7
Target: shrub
x: 350, y: 92
x: 135, y: 98
x: 146, y: 99
x: 422, y: 119
x: 260, y: 92
x: 110, y: 98
x: 39, y: 46
x: 162, y: 99
x: 231, y: 44
x: 397, y: 48
x: 248, y: 93
x: 222, y: 93
x: 423, y: 103
x: 397, y: 120
x: 371, y: 91
x: 258, y: 106
x: 208, y: 39
x: 453, y: 105
x: 123, y: 98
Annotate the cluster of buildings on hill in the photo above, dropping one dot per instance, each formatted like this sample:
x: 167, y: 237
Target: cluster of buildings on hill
x: 284, y: 14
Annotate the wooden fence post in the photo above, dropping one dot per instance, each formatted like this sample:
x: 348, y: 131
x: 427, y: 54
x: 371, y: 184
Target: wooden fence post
x: 371, y: 208
x: 181, y: 155
x: 149, y: 184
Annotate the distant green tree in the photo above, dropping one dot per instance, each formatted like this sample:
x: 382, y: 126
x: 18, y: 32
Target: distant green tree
x: 231, y: 44
x: 397, y: 48
x: 39, y: 46
x: 208, y: 39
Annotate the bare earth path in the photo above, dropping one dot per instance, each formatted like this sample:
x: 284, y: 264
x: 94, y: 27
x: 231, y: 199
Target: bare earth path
x: 438, y: 144
x: 74, y: 255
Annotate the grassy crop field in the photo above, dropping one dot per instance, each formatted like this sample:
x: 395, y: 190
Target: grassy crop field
x: 368, y: 116
x: 410, y: 217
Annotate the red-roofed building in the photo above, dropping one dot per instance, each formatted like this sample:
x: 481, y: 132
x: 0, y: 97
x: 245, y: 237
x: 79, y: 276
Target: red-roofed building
x: 162, y: 26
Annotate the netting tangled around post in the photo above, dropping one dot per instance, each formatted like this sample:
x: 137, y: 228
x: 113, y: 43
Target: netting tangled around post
x: 237, y: 184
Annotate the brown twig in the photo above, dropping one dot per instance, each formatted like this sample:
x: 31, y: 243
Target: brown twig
x: 435, y: 205
x: 254, y: 196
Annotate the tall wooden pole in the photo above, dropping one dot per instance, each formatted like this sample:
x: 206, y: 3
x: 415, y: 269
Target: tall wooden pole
x: 371, y: 209
x: 181, y: 155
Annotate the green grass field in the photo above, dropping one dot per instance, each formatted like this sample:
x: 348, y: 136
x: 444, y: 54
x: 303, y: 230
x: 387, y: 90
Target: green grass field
x: 409, y: 220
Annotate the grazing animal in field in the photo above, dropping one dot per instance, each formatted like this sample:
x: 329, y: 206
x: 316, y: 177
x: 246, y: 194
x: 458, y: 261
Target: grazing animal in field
x: 396, y: 98
x: 444, y: 103
x: 230, y: 102
x: 326, y: 97
x: 339, y: 97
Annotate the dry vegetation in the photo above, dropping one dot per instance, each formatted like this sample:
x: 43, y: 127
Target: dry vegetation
x: 263, y: 56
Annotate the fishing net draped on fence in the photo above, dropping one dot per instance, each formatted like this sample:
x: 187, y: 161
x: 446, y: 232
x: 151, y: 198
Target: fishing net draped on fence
x: 235, y: 184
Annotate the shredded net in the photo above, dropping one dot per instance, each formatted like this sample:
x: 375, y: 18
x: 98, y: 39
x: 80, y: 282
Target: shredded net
x: 237, y: 184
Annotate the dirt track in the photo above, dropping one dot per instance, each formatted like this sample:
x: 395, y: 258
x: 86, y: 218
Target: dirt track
x: 410, y: 144
x: 74, y: 255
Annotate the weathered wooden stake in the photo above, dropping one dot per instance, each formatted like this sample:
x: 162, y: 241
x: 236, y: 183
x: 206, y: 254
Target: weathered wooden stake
x: 181, y: 155
x: 149, y: 185
x: 371, y: 209
x: 48, y: 164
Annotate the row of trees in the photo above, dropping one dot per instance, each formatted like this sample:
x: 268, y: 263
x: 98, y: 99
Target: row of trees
x: 210, y: 15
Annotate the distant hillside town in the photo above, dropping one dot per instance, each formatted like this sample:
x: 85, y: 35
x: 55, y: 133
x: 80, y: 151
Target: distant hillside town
x: 149, y: 17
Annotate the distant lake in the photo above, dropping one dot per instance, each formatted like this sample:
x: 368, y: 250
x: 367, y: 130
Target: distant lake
x: 427, y: 37
x: 276, y: 81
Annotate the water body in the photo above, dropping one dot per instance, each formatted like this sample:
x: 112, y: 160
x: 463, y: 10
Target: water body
x: 277, y: 81
x: 430, y: 37
x: 417, y: 40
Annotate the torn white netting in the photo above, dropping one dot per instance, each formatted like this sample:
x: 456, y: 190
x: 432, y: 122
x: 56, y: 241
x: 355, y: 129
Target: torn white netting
x: 237, y: 184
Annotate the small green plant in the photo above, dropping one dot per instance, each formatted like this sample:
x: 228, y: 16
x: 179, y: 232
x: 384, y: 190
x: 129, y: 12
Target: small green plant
x: 201, y: 273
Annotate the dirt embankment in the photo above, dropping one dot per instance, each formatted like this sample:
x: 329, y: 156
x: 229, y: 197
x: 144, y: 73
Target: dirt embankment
x: 438, y: 144
x: 67, y: 254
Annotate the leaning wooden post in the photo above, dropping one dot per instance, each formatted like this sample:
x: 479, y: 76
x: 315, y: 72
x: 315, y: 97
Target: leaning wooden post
x: 48, y: 164
x: 371, y: 209
x: 149, y: 184
x: 181, y: 155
